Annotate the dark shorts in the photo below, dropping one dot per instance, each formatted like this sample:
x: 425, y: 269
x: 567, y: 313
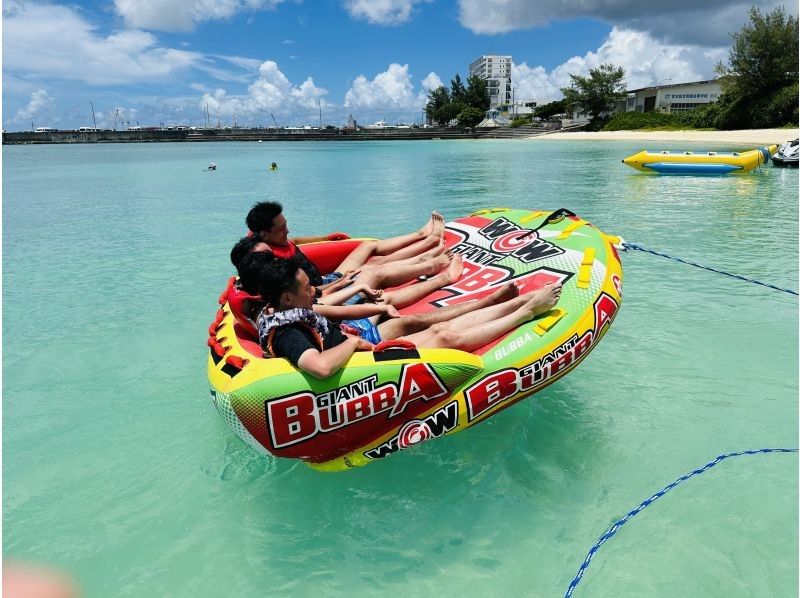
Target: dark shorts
x: 366, y: 330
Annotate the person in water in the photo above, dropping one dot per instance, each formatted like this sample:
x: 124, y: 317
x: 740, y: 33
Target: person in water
x: 317, y: 346
x: 273, y: 166
x: 381, y: 264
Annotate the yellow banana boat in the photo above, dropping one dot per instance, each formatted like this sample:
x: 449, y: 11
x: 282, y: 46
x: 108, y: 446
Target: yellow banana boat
x: 666, y: 162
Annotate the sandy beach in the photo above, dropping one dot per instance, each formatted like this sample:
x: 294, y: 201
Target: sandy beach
x: 750, y: 136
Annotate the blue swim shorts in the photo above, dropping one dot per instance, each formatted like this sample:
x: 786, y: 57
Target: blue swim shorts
x: 366, y: 329
x: 332, y: 277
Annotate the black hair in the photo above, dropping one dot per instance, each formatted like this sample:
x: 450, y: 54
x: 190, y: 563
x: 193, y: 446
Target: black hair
x: 261, y: 215
x: 243, y: 246
x: 277, y: 278
x: 251, y: 270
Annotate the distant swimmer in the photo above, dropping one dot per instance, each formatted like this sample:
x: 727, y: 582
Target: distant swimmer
x: 273, y: 166
x: 212, y: 166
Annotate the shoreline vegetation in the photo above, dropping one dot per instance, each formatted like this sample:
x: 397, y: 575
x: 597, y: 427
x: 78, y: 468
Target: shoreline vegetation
x: 746, y: 136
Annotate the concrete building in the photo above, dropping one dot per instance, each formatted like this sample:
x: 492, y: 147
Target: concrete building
x: 679, y: 97
x: 496, y: 71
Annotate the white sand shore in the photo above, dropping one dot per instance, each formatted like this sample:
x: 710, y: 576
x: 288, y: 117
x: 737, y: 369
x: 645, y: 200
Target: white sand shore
x: 753, y: 136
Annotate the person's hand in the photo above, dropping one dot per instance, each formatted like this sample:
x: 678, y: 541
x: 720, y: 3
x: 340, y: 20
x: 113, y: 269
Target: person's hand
x: 351, y: 274
x: 337, y: 236
x: 372, y: 294
x: 363, y: 345
x: 391, y: 311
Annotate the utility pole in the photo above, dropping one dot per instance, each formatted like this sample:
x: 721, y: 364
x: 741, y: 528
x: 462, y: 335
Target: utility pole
x: 116, y: 114
x: 93, y: 118
x: 319, y: 103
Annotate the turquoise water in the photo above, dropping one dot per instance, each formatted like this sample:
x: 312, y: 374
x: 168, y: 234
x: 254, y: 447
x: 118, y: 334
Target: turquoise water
x: 117, y: 468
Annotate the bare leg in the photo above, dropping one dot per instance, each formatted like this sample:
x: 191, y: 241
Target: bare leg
x: 430, y: 232
x: 397, y: 327
x: 476, y: 329
x: 418, y: 250
x: 408, y: 295
x: 396, y: 273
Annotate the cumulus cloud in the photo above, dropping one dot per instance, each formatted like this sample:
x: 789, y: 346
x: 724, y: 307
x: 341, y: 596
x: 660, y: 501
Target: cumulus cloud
x: 382, y: 12
x: 184, y: 15
x: 706, y: 23
x: 82, y: 54
x: 646, y: 62
x: 270, y: 92
x: 432, y: 81
x: 41, y: 105
x: 390, y: 90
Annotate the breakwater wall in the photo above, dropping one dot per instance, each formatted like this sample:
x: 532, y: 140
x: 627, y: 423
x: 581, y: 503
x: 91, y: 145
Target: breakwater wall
x: 30, y: 137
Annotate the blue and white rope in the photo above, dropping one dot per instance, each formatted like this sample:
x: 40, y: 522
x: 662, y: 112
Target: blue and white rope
x: 626, y: 245
x: 618, y: 524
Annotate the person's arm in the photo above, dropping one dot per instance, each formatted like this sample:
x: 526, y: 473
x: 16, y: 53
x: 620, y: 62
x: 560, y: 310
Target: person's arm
x: 328, y: 362
x: 345, y: 281
x: 340, y: 296
x: 309, y: 239
x: 355, y: 312
x: 319, y: 238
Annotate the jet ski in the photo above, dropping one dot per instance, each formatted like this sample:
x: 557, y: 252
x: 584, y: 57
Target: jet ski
x: 787, y: 154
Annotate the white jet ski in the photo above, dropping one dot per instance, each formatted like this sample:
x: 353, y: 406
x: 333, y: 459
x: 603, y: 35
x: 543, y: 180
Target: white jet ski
x: 787, y: 154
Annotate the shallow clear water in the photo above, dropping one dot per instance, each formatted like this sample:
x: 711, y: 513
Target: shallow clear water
x: 118, y: 469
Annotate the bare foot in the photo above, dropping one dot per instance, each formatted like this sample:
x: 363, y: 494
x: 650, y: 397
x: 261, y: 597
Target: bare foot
x: 455, y: 269
x: 505, y: 293
x: 438, y: 223
x: 429, y: 227
x: 438, y: 264
x: 543, y: 299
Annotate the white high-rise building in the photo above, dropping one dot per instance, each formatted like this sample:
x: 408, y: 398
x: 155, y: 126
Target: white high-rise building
x: 496, y: 71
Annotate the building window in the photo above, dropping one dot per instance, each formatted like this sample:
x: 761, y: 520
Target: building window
x: 684, y: 107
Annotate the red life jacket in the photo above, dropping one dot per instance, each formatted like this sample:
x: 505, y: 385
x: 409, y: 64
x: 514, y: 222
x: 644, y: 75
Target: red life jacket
x: 284, y: 252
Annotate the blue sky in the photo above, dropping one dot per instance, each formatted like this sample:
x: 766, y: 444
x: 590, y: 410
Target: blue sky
x: 162, y: 61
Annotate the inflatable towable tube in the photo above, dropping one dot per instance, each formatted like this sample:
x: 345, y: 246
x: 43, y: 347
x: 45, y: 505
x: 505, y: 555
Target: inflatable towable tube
x: 383, y: 402
x: 699, y: 162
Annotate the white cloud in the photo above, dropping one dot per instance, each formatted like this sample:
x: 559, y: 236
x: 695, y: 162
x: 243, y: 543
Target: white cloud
x: 706, y: 23
x: 270, y: 92
x: 74, y: 51
x: 390, y: 90
x: 184, y: 15
x: 432, y: 81
x: 40, y: 106
x: 645, y: 60
x: 382, y: 12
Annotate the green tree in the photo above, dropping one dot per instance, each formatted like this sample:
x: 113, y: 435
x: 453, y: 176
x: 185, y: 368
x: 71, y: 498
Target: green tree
x: 596, y: 93
x: 438, y: 105
x: 470, y: 116
x: 477, y: 94
x: 458, y: 92
x: 547, y: 110
x: 760, y: 80
x: 763, y: 58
